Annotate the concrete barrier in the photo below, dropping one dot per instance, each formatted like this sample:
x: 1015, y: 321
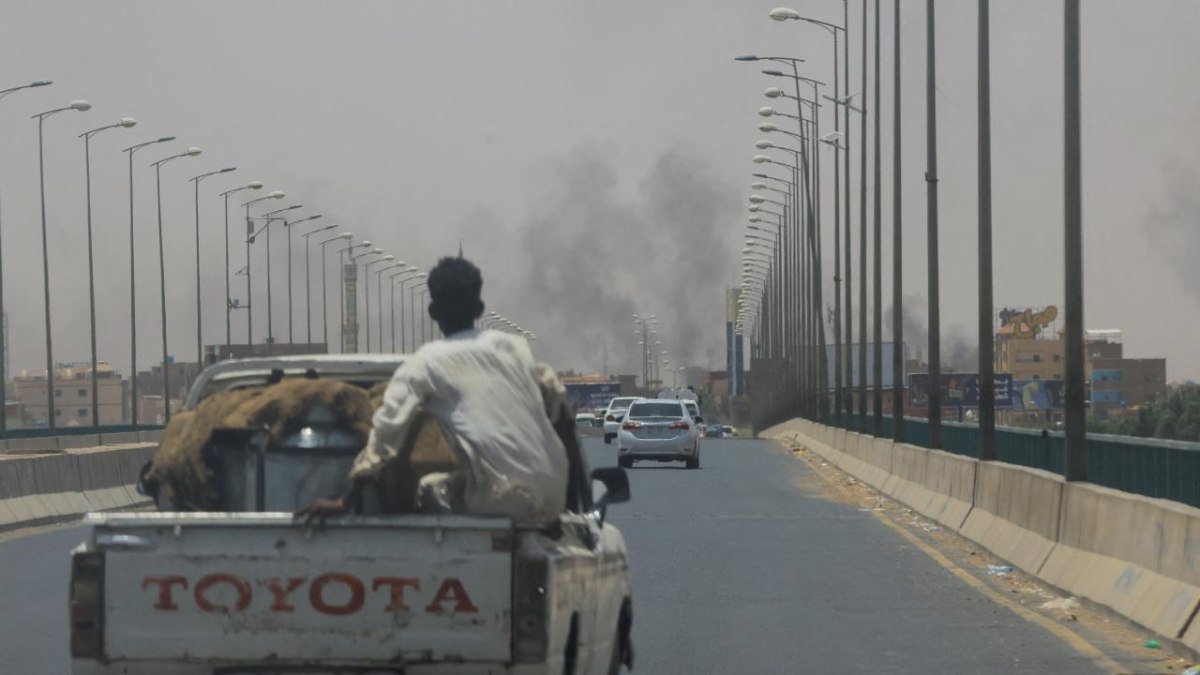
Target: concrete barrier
x: 1016, y: 513
x: 48, y: 488
x: 1136, y: 555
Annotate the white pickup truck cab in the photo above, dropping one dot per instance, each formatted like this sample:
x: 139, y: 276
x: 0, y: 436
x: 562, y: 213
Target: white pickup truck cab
x: 251, y: 591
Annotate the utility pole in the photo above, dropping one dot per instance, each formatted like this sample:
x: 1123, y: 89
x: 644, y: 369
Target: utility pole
x: 987, y: 345
x: 1076, y: 469
x: 877, y: 256
x: 935, y: 341
x: 862, y: 241
x: 897, y: 248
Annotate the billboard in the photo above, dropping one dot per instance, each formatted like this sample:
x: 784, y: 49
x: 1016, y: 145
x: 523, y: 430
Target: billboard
x: 590, y: 395
x: 959, y: 389
x: 1037, y: 394
x: 831, y: 353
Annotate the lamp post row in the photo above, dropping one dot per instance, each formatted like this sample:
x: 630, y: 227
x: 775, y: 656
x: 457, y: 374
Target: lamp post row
x: 86, y: 136
x: 770, y: 263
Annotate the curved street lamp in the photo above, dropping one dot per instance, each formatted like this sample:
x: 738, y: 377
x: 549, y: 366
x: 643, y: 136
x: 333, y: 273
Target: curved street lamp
x: 123, y: 123
x: 196, y: 180
x: 288, y: 226
x: 229, y: 303
x: 162, y: 274
x: 307, y: 236
x: 133, y: 388
x: 344, y: 236
x: 80, y: 106
x: 277, y: 194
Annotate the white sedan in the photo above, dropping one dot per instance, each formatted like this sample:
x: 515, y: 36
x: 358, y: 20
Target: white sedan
x: 660, y: 430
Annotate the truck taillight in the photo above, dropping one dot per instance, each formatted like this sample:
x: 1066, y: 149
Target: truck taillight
x: 610, y: 418
x: 630, y: 426
x: 531, y: 632
x: 86, y: 605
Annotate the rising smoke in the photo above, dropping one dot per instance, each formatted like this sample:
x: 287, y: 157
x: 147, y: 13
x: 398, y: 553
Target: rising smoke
x: 960, y: 353
x: 1173, y: 228
x: 592, y: 255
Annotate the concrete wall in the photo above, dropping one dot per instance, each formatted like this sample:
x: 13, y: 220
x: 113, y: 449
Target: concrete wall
x: 45, y: 488
x: 1138, y: 556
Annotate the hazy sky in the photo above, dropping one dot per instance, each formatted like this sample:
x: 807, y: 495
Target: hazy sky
x: 593, y: 157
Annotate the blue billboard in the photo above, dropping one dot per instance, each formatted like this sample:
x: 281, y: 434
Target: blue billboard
x: 1037, y: 394
x: 959, y: 389
x: 591, y: 395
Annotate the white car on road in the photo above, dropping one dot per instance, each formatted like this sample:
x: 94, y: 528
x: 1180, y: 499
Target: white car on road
x: 614, y: 415
x: 661, y: 430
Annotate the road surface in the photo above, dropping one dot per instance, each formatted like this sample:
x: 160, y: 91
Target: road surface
x: 737, y: 569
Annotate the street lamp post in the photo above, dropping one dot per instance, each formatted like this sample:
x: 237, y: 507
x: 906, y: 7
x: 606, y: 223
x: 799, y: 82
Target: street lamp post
x: 391, y: 303
x: 277, y: 194
x: 196, y: 180
x: 324, y: 293
x: 379, y: 291
x: 81, y: 106
x: 412, y: 308
x: 354, y: 264
x: 417, y: 275
x: 133, y: 388
x: 4, y: 322
x: 162, y: 275
x: 124, y: 123
x: 269, y: 217
x: 252, y: 185
x: 367, y: 294
x: 288, y: 226
x: 308, y: 279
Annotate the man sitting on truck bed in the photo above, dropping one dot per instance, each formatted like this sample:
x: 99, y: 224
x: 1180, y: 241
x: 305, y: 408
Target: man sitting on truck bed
x: 490, y: 397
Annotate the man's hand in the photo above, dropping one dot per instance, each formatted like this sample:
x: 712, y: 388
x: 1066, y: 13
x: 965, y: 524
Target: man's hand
x: 318, y: 510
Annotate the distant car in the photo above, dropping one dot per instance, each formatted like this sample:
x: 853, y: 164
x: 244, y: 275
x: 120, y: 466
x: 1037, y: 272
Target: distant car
x: 614, y: 414
x: 585, y: 420
x: 714, y: 431
x: 730, y: 432
x: 660, y: 430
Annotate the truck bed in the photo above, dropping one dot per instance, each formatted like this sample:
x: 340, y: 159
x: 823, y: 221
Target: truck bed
x: 238, y: 589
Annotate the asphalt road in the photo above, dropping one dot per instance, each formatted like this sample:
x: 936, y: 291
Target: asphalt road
x: 736, y: 570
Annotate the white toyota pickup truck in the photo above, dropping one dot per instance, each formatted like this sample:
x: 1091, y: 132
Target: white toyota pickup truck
x: 251, y: 591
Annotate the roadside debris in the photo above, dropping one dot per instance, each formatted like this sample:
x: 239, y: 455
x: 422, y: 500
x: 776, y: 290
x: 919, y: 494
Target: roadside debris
x: 1061, y: 605
x: 1151, y: 644
x: 999, y: 570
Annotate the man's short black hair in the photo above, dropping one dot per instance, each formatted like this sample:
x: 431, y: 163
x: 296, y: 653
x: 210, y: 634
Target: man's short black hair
x: 456, y: 287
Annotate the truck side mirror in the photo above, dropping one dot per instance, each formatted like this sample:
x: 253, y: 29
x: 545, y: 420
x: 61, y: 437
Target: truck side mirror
x: 614, y: 488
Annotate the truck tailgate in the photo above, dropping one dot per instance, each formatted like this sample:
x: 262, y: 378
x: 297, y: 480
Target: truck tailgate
x: 247, y: 588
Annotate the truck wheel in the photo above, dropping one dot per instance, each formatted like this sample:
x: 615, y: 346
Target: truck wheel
x: 608, y: 438
x: 625, y: 462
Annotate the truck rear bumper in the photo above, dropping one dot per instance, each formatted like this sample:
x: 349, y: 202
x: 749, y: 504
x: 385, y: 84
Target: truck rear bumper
x: 87, y: 667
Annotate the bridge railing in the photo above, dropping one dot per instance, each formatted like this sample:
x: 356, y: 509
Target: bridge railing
x: 18, y: 434
x: 1145, y: 466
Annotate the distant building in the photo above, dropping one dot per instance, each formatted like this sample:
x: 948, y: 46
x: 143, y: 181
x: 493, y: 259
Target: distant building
x: 735, y: 367
x: 1118, y: 383
x: 73, y: 395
